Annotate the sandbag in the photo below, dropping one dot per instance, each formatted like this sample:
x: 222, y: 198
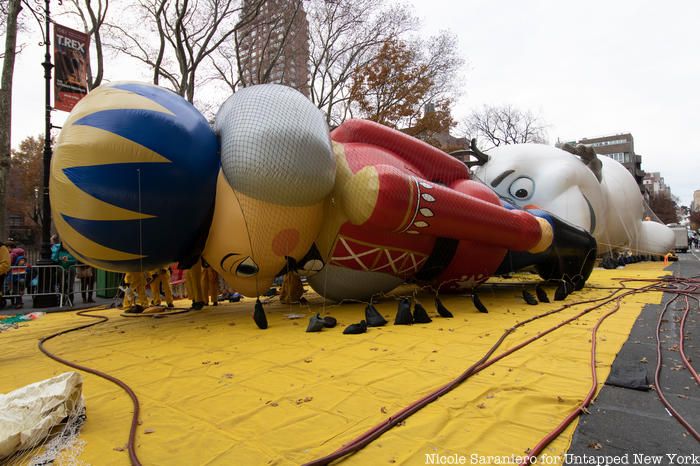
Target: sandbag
x: 28, y: 414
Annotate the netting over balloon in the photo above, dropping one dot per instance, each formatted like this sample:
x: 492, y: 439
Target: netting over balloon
x: 139, y: 180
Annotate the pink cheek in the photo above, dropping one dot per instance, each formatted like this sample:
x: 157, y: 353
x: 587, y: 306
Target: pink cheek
x: 285, y: 241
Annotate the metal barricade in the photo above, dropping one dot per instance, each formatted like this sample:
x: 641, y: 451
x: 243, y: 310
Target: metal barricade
x: 14, y: 286
x: 38, y: 280
x: 48, y: 280
x: 67, y: 285
x: 80, y: 281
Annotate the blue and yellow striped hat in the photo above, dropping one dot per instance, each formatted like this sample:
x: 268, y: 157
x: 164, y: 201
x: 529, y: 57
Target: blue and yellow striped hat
x: 133, y: 177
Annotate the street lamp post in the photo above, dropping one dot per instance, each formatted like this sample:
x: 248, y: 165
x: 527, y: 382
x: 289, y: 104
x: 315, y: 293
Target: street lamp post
x: 46, y: 205
x: 46, y: 278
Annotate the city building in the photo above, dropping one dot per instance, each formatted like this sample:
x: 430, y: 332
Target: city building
x: 695, y: 205
x: 654, y: 184
x: 619, y: 147
x: 274, y: 46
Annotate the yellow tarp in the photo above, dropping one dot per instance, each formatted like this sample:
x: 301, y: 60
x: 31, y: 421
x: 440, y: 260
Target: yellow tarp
x: 216, y: 390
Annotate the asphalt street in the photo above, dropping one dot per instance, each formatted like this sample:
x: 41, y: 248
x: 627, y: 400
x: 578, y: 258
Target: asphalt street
x: 628, y: 426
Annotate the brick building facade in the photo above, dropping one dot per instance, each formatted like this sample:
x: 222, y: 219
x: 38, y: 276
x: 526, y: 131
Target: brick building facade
x: 274, y: 47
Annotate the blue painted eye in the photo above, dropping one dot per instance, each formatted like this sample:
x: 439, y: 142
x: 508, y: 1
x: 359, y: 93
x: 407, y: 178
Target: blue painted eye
x: 523, y: 188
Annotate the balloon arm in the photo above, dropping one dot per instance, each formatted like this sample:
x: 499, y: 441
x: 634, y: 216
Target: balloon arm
x: 396, y: 201
x: 433, y: 163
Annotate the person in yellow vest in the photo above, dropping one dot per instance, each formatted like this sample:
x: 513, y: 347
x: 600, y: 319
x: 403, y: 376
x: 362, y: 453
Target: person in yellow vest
x: 193, y: 285
x: 161, y: 278
x: 4, y: 264
x: 292, y: 288
x: 137, y: 284
x: 210, y: 284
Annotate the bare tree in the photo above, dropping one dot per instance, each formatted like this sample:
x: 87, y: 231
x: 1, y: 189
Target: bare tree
x: 665, y: 206
x: 92, y: 16
x: 694, y: 219
x: 186, y: 33
x: 3, y: 18
x: 493, y: 126
x: 440, y: 58
x: 343, y: 37
x: 268, y: 35
x: 14, y: 7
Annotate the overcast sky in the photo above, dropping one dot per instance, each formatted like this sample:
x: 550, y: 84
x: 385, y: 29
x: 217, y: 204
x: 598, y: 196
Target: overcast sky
x: 587, y: 68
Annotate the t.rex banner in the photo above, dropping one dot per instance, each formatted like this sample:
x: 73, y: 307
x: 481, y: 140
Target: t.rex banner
x: 72, y: 55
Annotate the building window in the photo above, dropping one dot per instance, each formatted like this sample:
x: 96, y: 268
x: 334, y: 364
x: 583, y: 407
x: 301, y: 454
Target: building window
x: 608, y: 143
x: 621, y: 157
x: 14, y: 220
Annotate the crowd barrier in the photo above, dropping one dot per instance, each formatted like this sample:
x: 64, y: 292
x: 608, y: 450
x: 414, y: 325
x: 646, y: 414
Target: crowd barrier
x: 77, y: 284
x: 22, y: 281
x: 62, y: 286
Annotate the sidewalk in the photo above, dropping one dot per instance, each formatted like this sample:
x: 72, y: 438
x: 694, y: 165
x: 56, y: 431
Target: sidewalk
x: 78, y: 304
